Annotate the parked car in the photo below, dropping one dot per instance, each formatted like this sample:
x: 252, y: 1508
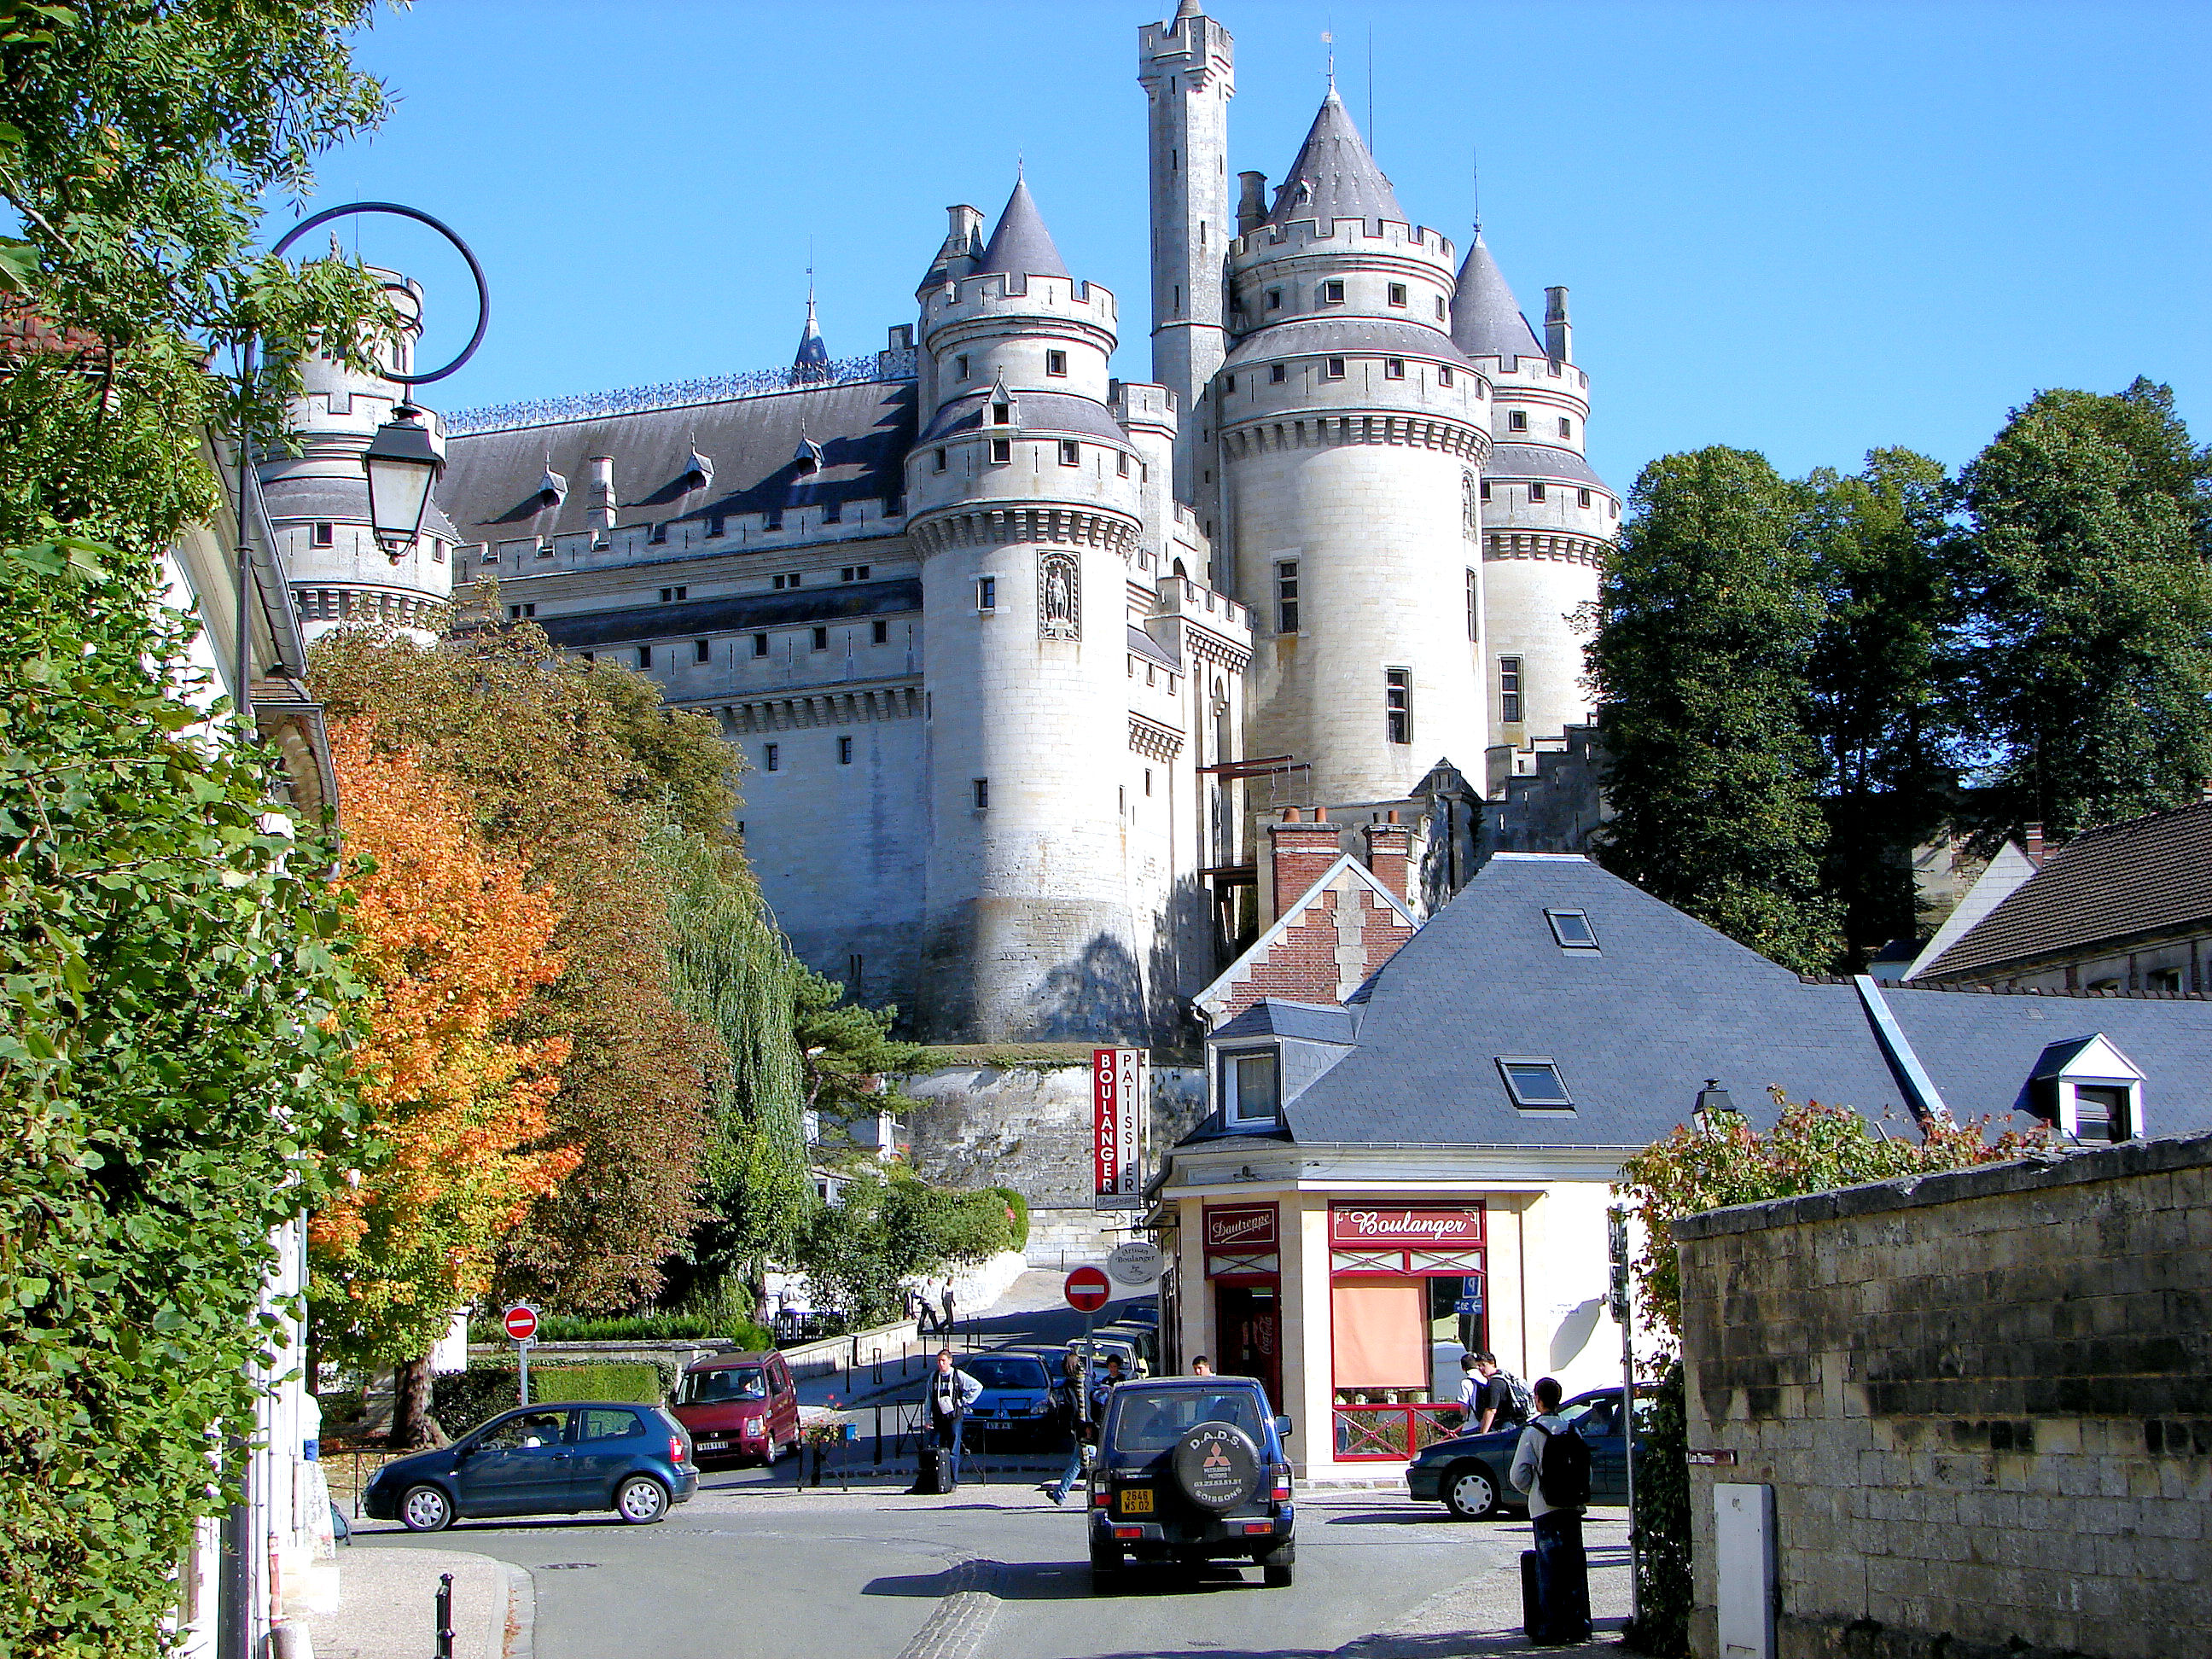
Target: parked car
x: 1018, y: 1393
x: 1102, y: 1344
x: 1146, y: 1312
x: 1142, y: 1340
x: 544, y: 1460
x: 1189, y: 1469
x: 1467, y: 1473
x: 739, y: 1407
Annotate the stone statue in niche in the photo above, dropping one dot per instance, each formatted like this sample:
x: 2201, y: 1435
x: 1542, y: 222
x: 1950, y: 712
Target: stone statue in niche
x: 1059, y: 597
x: 1470, y: 505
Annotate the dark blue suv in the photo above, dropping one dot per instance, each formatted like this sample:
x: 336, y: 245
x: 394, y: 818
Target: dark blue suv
x: 1189, y: 1469
x: 544, y: 1460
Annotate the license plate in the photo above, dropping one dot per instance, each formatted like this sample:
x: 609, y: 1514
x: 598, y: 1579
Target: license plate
x: 1136, y: 1500
x: 712, y: 1446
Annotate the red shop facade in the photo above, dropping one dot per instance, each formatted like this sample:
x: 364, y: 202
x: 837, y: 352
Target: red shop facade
x: 1244, y: 1280
x: 1402, y: 1278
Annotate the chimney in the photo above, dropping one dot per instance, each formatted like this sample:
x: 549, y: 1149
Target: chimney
x: 1558, y: 332
x: 605, y: 509
x: 1300, y: 854
x: 2031, y: 836
x: 1252, y: 204
x: 1390, y: 852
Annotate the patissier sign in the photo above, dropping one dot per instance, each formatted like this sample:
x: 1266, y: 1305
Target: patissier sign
x: 1117, y: 1109
x: 1393, y: 1226
x: 1241, y: 1227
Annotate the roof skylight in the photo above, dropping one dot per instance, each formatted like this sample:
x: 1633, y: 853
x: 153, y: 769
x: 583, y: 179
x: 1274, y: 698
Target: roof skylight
x: 1535, y: 1082
x: 1572, y: 929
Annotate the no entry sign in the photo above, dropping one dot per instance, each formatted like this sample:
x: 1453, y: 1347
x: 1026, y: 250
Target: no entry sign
x: 521, y: 1322
x: 1087, y: 1290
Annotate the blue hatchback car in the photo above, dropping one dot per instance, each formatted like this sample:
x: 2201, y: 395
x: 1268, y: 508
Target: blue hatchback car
x: 544, y: 1460
x: 1016, y: 1393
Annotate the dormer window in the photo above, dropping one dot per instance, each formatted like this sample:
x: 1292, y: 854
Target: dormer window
x: 1251, y: 1091
x: 1570, y: 927
x: 1002, y: 414
x: 1534, y: 1083
x: 2087, y: 1089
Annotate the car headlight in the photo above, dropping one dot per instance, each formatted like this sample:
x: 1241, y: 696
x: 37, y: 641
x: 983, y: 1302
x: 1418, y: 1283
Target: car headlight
x: 1039, y: 1408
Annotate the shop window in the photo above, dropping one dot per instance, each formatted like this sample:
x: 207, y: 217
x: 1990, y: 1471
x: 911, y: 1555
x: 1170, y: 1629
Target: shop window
x: 1534, y: 1084
x: 1250, y: 1088
x: 1572, y: 929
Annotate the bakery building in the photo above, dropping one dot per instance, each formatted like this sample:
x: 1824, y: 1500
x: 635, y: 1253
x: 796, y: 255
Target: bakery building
x: 1416, y: 1122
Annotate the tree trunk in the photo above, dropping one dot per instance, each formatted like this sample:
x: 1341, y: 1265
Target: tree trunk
x: 413, y: 1428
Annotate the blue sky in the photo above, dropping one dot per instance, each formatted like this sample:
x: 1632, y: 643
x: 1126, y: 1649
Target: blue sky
x: 1801, y: 227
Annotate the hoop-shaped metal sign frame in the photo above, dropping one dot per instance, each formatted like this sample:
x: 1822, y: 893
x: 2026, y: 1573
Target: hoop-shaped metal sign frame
x: 476, y: 271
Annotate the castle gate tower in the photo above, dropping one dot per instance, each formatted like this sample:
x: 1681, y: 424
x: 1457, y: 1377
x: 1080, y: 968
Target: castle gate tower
x: 318, y: 500
x: 1025, y: 512
x: 1187, y: 68
x: 1547, y: 517
x: 1351, y: 434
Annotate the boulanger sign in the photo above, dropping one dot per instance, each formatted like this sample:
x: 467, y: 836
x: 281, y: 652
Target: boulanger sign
x: 1394, y: 1226
x: 1117, y: 1121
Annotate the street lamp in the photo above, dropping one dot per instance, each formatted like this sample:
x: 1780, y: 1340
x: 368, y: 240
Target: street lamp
x: 402, y: 464
x: 1714, y: 1107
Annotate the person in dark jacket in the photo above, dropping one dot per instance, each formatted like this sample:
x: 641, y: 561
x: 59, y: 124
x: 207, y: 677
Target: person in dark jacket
x: 949, y: 1392
x: 1562, y: 1570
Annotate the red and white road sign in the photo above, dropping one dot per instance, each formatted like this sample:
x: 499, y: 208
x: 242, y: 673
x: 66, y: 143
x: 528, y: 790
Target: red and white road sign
x: 1087, y: 1290
x: 521, y: 1322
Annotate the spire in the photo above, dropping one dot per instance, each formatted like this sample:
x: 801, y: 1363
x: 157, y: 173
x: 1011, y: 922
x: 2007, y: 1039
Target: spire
x: 1021, y: 245
x: 1188, y: 8
x: 813, y: 356
x: 1485, y: 319
x: 1335, y: 177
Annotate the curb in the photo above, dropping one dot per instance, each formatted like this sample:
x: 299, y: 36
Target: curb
x: 956, y: 1629
x: 521, y: 1641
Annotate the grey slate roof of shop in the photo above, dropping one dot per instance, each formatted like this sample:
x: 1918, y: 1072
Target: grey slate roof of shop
x: 2143, y: 877
x: 1636, y: 1027
x: 1542, y: 461
x: 864, y: 428
x: 1311, y: 1022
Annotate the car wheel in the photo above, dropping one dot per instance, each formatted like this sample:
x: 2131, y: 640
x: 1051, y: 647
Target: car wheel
x: 642, y: 1501
x: 1105, y: 1565
x: 1470, y: 1494
x: 1278, y: 1575
x: 426, y: 1508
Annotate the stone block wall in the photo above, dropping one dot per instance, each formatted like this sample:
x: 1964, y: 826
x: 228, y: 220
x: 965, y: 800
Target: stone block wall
x: 1983, y: 1400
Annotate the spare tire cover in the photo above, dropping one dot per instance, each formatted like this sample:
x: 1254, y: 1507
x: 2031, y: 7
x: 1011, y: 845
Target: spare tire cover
x: 1217, y: 1466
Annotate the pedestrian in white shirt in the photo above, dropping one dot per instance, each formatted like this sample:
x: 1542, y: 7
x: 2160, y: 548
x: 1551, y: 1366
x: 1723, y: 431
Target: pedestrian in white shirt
x: 1557, y: 1481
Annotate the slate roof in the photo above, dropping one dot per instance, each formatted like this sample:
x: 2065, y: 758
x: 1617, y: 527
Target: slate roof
x: 1034, y: 412
x: 1310, y: 1021
x: 1314, y: 337
x: 345, y: 500
x: 1637, y: 1026
x: 733, y: 613
x: 1334, y: 176
x: 1021, y: 245
x: 864, y: 428
x: 1542, y: 461
x: 1487, y: 320
x: 2145, y: 877
x: 1144, y: 645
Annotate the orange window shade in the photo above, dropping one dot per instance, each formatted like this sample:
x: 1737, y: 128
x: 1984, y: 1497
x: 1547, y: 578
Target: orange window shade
x: 1381, y: 1334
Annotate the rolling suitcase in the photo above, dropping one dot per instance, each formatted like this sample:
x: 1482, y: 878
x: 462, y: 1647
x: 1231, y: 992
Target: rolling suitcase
x: 1531, y: 1605
x: 931, y: 1479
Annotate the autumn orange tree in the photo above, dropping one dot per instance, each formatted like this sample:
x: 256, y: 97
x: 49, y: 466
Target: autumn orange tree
x: 453, y: 945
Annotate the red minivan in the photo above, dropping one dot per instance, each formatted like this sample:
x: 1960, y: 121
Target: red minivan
x: 739, y: 1406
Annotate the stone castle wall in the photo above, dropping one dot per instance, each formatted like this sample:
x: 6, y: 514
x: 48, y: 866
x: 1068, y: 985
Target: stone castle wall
x: 1984, y: 1401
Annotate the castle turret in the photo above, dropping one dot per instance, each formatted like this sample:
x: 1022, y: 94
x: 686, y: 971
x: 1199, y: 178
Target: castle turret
x: 1353, y: 433
x: 1547, y: 517
x: 1187, y: 66
x: 318, y: 500
x: 1024, y: 509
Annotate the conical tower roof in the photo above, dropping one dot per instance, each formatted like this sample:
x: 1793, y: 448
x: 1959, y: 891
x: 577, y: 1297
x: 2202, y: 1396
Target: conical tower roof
x: 1021, y: 245
x: 1487, y: 320
x: 1335, y: 177
x: 813, y: 356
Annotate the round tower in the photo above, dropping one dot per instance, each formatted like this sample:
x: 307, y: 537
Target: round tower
x: 318, y: 500
x: 1353, y: 433
x: 1547, y: 517
x: 1023, y: 508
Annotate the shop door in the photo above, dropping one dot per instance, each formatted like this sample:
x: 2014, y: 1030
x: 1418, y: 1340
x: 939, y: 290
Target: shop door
x: 1249, y: 1318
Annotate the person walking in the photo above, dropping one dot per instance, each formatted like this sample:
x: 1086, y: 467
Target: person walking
x: 1486, y: 1394
x: 1070, y: 1396
x: 1551, y: 1466
x: 947, y: 1327
x: 950, y: 1393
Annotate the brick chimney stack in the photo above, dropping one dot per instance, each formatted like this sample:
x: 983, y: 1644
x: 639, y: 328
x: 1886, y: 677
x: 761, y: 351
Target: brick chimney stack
x: 1390, y: 852
x: 2031, y: 835
x: 1300, y: 854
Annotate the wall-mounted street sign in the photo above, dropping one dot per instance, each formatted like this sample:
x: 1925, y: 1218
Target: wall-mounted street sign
x: 1117, y: 1121
x: 1136, y: 1262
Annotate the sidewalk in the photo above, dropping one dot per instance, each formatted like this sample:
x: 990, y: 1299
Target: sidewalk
x: 1481, y: 1614
x: 387, y: 1600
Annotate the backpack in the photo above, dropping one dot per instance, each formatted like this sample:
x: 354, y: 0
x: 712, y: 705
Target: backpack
x: 1523, y: 1403
x: 1563, y: 1472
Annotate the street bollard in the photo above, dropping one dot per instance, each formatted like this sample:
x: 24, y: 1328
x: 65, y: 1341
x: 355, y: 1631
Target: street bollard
x: 879, y: 1434
x: 445, y: 1616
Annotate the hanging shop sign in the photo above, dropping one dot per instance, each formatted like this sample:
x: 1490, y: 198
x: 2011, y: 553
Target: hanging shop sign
x: 1117, y: 1121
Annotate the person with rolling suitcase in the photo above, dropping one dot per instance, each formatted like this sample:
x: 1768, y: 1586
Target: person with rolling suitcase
x: 1552, y: 1464
x: 948, y: 1395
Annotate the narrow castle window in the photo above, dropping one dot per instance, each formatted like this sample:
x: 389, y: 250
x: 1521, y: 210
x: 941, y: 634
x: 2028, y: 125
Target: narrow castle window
x: 1517, y: 420
x: 1002, y: 449
x: 940, y: 461
x: 772, y: 519
x: 772, y: 758
x: 1444, y: 375
x: 1286, y: 596
x: 1335, y: 371
x: 1474, y: 605
x: 1275, y: 371
x: 981, y: 795
x: 960, y: 368
x: 323, y: 534
x: 760, y: 645
x: 1274, y: 299
x: 1071, y: 453
x: 1397, y: 293
x: 1398, y: 704
x: 844, y: 752
x: 645, y: 656
x: 1122, y: 464
x: 1229, y: 385
x: 1331, y: 294
x: 701, y: 652
x: 1536, y: 492
x: 1582, y: 498
x: 821, y: 639
x: 986, y: 592
x: 1440, y: 308
x: 882, y: 634
x: 1055, y: 363
x: 1486, y: 490
x: 1148, y: 780
x: 1394, y: 368
x: 1509, y: 690
x: 1566, y: 427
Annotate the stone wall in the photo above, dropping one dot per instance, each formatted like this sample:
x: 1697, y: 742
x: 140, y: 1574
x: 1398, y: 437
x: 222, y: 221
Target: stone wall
x: 1983, y: 1400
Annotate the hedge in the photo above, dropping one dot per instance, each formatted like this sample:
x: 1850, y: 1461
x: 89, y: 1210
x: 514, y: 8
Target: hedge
x: 1018, y: 1219
x: 654, y: 1328
x: 463, y: 1398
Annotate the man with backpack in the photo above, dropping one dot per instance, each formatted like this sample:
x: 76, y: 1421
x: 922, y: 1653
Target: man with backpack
x: 1552, y: 1464
x: 1491, y: 1399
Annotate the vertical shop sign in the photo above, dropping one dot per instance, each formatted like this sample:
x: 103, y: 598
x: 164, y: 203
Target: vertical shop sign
x: 1117, y: 1115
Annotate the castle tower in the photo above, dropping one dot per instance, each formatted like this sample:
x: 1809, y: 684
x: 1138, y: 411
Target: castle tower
x: 1353, y: 433
x: 1025, y: 511
x: 1547, y: 517
x: 1188, y: 69
x: 318, y: 500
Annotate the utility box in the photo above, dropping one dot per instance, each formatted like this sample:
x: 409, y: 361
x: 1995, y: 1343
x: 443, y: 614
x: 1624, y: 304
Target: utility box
x: 1743, y: 1559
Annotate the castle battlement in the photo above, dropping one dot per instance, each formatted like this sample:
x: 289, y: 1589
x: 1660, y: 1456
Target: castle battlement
x: 1297, y: 238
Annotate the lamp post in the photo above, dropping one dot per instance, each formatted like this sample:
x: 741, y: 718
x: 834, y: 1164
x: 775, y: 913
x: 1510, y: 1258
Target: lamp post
x: 1713, y: 1110
x: 402, y: 463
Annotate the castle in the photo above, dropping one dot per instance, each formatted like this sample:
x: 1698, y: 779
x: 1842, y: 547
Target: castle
x: 1023, y: 658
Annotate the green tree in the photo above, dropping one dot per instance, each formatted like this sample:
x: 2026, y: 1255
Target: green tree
x: 1705, y: 627
x: 888, y: 1226
x: 852, y: 1064
x: 2086, y: 662
x: 1884, y: 558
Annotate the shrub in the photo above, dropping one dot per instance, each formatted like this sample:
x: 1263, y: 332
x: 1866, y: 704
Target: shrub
x: 465, y: 1399
x: 1017, y: 1218
x: 1662, y: 1524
